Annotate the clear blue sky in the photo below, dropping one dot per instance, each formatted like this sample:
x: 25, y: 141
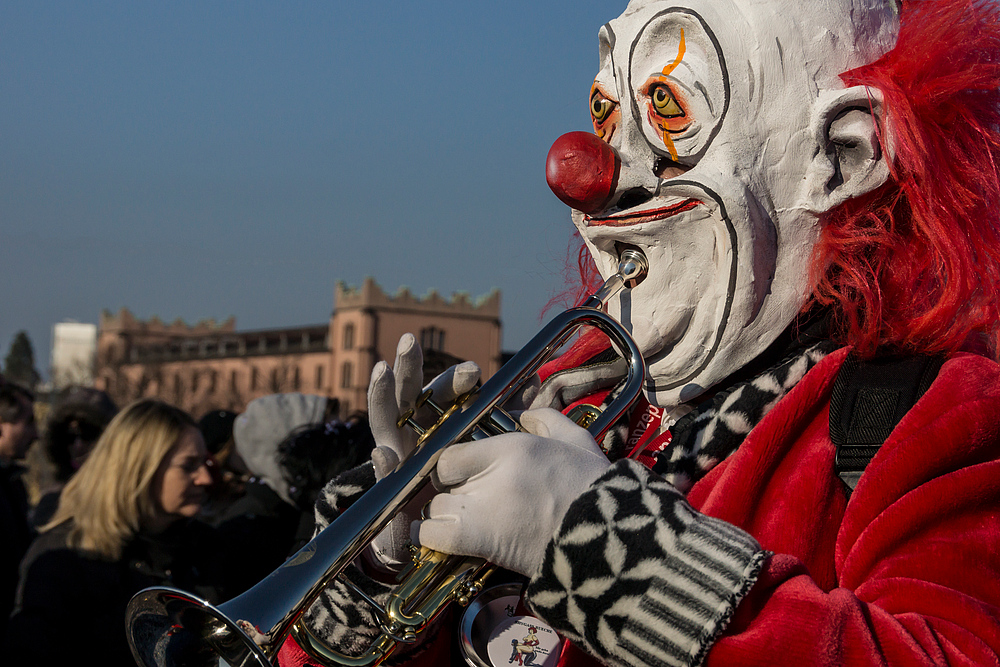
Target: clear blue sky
x: 207, y: 159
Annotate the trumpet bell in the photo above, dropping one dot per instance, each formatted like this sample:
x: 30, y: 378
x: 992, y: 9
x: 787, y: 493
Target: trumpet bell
x: 172, y: 627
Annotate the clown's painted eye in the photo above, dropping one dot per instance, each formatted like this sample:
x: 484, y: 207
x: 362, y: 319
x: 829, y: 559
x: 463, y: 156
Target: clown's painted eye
x: 664, y: 102
x: 600, y: 106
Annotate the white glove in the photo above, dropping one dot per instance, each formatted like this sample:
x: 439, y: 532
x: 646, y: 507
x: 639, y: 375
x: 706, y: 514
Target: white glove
x: 390, y: 394
x: 510, y: 492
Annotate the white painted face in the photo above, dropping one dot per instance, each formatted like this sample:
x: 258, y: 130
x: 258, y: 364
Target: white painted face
x: 717, y: 110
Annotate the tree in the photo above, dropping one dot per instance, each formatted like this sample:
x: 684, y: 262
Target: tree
x: 19, y: 366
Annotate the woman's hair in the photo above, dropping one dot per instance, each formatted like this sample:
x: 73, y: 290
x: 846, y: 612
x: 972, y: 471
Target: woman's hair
x: 915, y: 266
x: 110, y: 496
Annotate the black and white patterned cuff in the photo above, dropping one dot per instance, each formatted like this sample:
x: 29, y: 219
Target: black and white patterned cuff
x: 340, y: 616
x: 341, y: 492
x: 638, y: 577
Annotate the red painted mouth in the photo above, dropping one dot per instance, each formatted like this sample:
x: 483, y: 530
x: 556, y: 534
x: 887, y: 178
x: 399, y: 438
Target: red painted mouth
x: 644, y: 216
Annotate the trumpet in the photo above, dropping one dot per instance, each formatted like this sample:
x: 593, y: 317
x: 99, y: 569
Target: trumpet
x: 167, y: 627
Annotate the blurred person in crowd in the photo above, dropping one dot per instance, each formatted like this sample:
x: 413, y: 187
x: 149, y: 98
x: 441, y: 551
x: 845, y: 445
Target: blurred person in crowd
x: 217, y: 429
x: 125, y: 521
x: 313, y: 455
x: 77, y: 420
x: 267, y: 509
x: 17, y: 422
x: 228, y: 470
x: 17, y: 432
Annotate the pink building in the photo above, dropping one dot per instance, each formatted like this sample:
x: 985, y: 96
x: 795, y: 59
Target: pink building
x: 210, y: 366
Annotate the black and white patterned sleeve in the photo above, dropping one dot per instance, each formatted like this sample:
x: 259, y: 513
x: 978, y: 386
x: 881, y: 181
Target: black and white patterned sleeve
x: 638, y: 577
x: 340, y: 617
x: 341, y: 492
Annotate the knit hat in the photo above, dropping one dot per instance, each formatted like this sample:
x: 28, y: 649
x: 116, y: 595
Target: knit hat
x: 265, y: 423
x: 217, y: 428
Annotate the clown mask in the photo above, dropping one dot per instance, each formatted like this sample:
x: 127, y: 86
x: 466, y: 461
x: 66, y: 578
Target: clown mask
x: 723, y: 133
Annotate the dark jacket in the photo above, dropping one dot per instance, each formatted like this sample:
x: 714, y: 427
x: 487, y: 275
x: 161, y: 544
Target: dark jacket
x: 15, y: 536
x: 269, y: 525
x: 71, y: 603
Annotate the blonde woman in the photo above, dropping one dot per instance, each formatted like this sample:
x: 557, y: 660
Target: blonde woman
x: 125, y: 521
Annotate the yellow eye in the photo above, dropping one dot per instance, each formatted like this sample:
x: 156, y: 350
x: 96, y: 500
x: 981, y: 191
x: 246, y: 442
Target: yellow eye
x: 600, y: 107
x: 664, y: 102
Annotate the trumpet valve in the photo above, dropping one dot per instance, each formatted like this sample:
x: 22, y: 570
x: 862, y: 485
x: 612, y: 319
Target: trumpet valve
x: 467, y: 591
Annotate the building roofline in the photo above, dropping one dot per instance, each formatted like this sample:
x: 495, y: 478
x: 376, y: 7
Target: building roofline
x: 371, y: 295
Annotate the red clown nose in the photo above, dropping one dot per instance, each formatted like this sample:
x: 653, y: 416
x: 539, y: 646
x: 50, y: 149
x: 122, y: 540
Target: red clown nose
x: 582, y: 171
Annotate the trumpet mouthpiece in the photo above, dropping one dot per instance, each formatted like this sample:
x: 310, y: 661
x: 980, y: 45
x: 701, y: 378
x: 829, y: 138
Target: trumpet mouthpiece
x: 632, y: 267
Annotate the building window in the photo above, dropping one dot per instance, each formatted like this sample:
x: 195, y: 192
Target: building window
x: 319, y: 377
x: 274, y: 380
x: 212, y: 380
x: 254, y: 379
x: 432, y: 338
x: 296, y: 379
x: 195, y: 377
x: 349, y: 337
x: 345, y: 375
x: 233, y: 380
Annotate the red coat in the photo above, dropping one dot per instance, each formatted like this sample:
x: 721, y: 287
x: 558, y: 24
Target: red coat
x: 908, y: 571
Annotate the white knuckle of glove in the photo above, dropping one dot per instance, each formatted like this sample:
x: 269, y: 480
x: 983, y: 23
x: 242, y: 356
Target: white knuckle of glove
x: 455, y: 381
x: 508, y: 494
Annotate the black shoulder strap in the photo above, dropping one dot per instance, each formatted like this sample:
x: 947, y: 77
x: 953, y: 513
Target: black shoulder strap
x: 869, y: 399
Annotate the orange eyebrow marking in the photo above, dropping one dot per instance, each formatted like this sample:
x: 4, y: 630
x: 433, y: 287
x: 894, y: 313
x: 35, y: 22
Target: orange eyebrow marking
x: 680, y: 56
x: 663, y: 75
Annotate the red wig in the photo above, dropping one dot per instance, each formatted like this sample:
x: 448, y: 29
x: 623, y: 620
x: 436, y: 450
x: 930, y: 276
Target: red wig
x: 915, y: 266
x: 580, y: 276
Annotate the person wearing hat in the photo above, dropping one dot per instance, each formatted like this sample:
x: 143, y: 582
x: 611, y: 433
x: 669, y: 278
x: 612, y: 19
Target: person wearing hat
x: 267, y: 513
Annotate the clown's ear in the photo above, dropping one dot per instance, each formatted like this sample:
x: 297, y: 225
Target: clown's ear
x: 850, y: 137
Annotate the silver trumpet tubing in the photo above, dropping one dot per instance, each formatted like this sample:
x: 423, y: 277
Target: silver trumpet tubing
x: 167, y: 627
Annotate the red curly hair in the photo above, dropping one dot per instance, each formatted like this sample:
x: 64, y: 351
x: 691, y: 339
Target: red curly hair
x: 915, y: 266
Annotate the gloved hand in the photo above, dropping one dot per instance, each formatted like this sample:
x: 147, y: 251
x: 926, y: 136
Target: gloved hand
x: 390, y: 394
x: 509, y: 493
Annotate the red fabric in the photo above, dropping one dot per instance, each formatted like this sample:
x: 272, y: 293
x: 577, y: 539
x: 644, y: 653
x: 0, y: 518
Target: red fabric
x: 590, y: 343
x: 573, y: 656
x: 644, y: 440
x: 292, y: 655
x: 906, y: 573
